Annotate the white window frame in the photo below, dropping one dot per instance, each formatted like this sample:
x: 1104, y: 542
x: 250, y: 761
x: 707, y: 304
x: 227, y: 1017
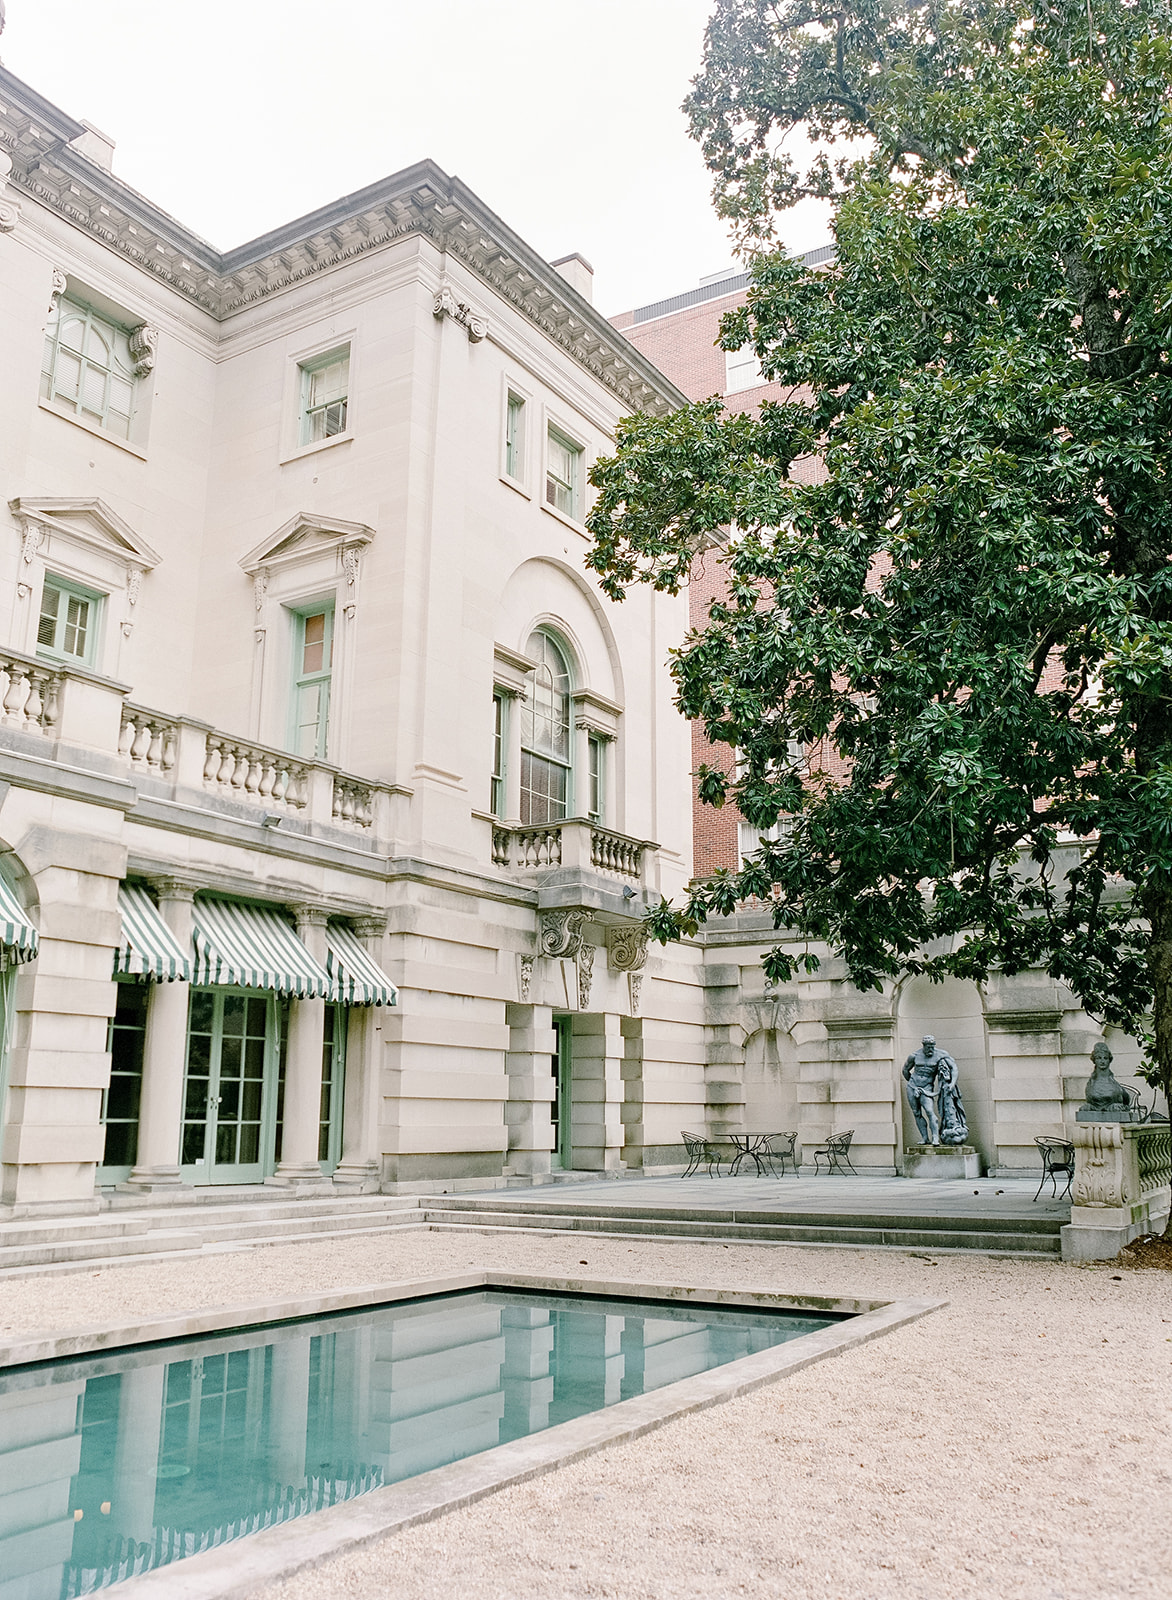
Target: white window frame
x: 515, y: 473
x: 742, y: 370
x: 301, y: 363
x: 98, y: 308
x: 575, y: 518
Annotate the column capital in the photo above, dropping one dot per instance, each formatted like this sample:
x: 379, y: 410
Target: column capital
x: 369, y: 927
x: 172, y: 888
x: 310, y: 916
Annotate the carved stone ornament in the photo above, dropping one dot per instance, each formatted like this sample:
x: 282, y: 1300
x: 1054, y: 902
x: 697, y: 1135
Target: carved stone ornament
x: 260, y: 583
x: 350, y: 564
x: 30, y: 541
x: 60, y: 284
x: 525, y: 979
x: 635, y: 981
x: 9, y: 209
x: 585, y: 975
x: 561, y: 931
x: 1100, y: 1176
x: 143, y: 344
x: 626, y: 948
x: 133, y: 584
x: 475, y: 323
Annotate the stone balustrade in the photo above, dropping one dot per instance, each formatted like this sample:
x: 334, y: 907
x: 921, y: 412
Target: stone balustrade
x: 238, y: 769
x: 1120, y: 1189
x: 29, y: 694
x: 193, y: 756
x: 573, y: 842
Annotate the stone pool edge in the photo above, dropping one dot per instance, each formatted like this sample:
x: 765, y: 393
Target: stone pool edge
x: 232, y: 1571
x: 24, y: 1350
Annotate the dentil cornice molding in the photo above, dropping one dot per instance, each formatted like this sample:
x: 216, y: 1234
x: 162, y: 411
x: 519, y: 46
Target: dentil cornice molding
x: 421, y: 200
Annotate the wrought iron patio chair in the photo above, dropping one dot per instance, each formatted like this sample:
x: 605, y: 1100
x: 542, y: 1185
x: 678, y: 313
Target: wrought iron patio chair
x: 779, y: 1147
x: 835, y: 1152
x: 1057, y: 1156
x: 701, y: 1151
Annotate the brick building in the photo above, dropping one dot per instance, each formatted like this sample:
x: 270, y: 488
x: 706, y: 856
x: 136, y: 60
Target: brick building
x: 680, y: 336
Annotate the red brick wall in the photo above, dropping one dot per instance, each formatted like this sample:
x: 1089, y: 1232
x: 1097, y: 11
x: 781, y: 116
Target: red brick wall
x: 683, y: 346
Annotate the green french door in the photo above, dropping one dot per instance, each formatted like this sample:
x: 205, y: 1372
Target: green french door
x: 235, y: 1045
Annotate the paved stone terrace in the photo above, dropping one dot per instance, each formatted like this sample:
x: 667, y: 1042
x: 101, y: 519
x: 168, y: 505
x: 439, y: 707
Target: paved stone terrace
x: 976, y: 1199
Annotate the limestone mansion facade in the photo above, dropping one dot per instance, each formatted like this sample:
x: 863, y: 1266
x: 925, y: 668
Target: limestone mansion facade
x: 332, y: 791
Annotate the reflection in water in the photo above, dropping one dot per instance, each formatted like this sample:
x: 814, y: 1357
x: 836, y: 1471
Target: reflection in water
x: 115, y: 1464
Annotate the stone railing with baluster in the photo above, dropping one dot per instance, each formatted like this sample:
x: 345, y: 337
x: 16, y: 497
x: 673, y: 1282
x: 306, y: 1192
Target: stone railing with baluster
x: 149, y: 741
x: 571, y: 843
x: 238, y: 769
x: 29, y: 694
x: 614, y: 852
x: 352, y: 803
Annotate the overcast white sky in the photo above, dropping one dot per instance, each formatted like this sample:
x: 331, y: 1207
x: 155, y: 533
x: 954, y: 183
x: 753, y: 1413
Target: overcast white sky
x: 563, y: 115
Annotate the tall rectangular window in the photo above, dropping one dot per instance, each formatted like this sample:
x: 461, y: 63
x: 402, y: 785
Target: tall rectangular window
x: 88, y: 367
x: 313, y: 666
x: 125, y: 1040
x: 515, y: 437
x: 325, y: 393
x: 563, y: 475
x: 597, y: 778
x: 499, y: 713
x: 67, y: 625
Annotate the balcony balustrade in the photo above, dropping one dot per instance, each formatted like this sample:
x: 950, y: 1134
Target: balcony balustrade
x: 574, y: 842
x: 29, y: 694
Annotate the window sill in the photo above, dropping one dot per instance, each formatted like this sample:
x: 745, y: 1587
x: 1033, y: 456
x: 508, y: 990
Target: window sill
x: 578, y: 527
x: 316, y: 447
x: 88, y: 427
x: 516, y: 485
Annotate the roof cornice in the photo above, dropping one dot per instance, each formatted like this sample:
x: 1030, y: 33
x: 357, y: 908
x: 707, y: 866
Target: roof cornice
x: 421, y: 200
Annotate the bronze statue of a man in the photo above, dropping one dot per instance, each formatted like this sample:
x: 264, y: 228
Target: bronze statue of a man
x: 933, y: 1093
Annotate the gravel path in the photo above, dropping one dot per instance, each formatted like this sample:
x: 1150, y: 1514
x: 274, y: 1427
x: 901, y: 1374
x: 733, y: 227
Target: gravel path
x: 1016, y: 1446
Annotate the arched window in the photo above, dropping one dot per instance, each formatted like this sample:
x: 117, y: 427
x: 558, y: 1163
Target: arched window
x: 546, y: 748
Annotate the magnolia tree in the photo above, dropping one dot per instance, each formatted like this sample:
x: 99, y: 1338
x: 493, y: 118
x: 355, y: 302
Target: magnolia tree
x: 947, y: 660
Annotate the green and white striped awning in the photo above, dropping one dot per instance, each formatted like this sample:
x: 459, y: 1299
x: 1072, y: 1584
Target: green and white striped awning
x: 356, y: 979
x: 17, y: 934
x: 252, y: 947
x: 149, y: 949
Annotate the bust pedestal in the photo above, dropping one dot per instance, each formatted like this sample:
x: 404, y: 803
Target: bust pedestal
x: 941, y: 1161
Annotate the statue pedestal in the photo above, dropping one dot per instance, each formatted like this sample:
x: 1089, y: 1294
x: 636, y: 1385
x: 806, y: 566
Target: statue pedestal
x: 941, y: 1161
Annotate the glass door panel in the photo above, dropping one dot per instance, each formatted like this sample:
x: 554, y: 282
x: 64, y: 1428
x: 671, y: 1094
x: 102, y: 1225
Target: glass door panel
x: 232, y: 1054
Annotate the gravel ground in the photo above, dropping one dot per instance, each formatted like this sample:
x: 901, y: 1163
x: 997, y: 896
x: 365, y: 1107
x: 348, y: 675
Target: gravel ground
x: 1015, y: 1446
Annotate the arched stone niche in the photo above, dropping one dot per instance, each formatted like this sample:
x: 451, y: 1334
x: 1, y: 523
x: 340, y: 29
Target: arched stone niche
x: 954, y: 1014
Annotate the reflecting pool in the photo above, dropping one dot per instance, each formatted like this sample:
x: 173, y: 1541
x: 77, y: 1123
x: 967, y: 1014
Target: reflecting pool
x: 116, y: 1463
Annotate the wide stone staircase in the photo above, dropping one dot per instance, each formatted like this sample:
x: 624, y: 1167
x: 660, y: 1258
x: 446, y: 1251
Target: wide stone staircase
x: 1036, y: 1235
x: 155, y: 1232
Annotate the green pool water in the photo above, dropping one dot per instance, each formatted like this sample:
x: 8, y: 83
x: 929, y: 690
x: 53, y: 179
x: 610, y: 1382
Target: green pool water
x: 114, y: 1464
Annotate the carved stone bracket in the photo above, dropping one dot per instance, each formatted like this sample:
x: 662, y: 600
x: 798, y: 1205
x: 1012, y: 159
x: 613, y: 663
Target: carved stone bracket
x: 133, y: 585
x: 626, y: 948
x: 585, y: 975
x: 475, y: 323
x: 525, y: 979
x: 260, y: 584
x: 635, y: 983
x: 143, y: 344
x: 561, y: 931
x: 60, y: 284
x: 30, y: 541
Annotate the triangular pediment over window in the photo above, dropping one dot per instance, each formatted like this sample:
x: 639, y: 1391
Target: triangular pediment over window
x: 303, y: 536
x: 90, y: 522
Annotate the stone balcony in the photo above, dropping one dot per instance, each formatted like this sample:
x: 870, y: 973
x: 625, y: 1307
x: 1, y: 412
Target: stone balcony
x: 577, y: 862
x: 84, y: 722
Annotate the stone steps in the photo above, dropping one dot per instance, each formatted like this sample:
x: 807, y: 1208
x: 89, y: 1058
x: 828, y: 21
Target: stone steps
x: 158, y: 1232
x: 1009, y: 1235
